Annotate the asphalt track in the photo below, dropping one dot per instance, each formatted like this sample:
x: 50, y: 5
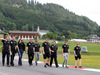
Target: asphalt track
x: 40, y: 70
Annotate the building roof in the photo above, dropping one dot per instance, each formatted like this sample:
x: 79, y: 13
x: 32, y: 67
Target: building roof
x: 44, y: 31
x: 93, y: 36
x: 79, y: 40
x: 23, y: 32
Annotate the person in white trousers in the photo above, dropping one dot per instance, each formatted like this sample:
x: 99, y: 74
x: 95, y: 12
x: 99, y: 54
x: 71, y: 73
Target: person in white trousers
x: 65, y: 53
x: 37, y: 49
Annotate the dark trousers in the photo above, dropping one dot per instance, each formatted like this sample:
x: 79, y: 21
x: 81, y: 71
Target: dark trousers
x: 3, y: 57
x: 20, y: 53
x: 30, y: 58
x: 12, y: 57
x: 54, y: 56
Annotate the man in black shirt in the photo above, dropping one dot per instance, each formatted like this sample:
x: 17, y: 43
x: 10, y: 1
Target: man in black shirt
x: 37, y: 48
x: 6, y: 50
x: 77, y: 52
x: 46, y: 52
x: 54, y: 52
x: 65, y: 53
x: 30, y: 51
x: 13, y: 44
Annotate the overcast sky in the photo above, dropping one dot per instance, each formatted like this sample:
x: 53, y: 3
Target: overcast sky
x: 89, y: 8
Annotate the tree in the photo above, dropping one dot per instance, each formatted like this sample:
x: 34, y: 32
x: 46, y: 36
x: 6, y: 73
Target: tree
x: 50, y: 35
x: 98, y: 31
x: 25, y: 28
x: 69, y: 34
x: 15, y: 14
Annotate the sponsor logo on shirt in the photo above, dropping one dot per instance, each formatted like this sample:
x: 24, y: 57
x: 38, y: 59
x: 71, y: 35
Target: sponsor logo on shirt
x: 77, y: 48
x: 35, y: 45
x: 45, y: 43
x: 64, y: 45
x: 29, y: 44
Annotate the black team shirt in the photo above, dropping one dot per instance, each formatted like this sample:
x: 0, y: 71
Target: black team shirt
x: 13, y: 45
x: 6, y: 45
x: 77, y: 50
x: 65, y: 48
x: 54, y: 48
x: 37, y: 47
x: 21, y: 46
x: 46, y: 47
x: 30, y: 46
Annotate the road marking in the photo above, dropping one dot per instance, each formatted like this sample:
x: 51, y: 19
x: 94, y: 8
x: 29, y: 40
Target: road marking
x: 60, y: 65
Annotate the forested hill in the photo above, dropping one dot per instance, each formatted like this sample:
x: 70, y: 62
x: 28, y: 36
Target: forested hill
x: 20, y: 15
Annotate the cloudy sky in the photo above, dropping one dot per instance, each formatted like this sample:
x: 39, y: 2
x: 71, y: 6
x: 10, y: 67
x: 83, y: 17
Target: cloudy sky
x: 89, y: 8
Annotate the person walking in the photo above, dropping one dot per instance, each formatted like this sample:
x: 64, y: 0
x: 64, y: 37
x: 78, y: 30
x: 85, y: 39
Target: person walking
x: 30, y: 51
x: 13, y: 45
x: 65, y: 53
x: 46, y: 52
x: 5, y: 50
x: 54, y: 52
x: 77, y: 53
x: 21, y: 47
x: 37, y: 50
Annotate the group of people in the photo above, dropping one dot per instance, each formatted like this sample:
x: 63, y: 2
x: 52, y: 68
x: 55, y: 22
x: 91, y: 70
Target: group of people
x: 10, y: 48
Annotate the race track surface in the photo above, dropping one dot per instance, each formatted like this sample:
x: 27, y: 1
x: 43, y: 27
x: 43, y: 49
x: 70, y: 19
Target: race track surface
x: 40, y: 70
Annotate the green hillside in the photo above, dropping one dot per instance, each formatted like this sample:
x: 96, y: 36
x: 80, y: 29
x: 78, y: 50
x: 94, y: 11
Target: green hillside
x: 20, y: 15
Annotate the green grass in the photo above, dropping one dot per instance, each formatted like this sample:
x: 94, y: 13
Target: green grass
x: 89, y: 60
x: 93, y: 48
x: 90, y: 47
x: 0, y: 45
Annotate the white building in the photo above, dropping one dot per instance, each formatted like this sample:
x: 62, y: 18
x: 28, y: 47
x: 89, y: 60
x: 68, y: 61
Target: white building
x: 26, y: 35
x: 29, y: 1
x: 1, y: 34
x: 93, y: 38
x: 42, y: 32
x: 79, y: 40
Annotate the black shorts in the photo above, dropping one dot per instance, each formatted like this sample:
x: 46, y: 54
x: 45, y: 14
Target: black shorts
x: 79, y: 56
x: 46, y: 55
